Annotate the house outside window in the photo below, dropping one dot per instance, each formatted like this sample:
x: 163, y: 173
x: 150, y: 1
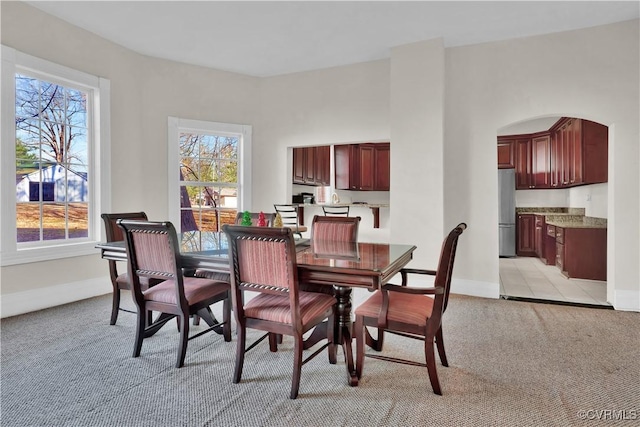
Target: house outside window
x: 209, y: 166
x: 52, y: 153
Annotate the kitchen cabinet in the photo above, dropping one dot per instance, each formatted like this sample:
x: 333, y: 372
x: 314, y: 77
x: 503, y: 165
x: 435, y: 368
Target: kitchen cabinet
x: 506, y: 155
x: 550, y: 245
x: 525, y: 235
x: 582, y: 252
x: 540, y: 234
x: 579, y: 153
x: 362, y: 167
x: 311, y: 165
x: 573, y: 152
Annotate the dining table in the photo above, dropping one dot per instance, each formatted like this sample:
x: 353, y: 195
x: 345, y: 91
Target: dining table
x: 359, y: 265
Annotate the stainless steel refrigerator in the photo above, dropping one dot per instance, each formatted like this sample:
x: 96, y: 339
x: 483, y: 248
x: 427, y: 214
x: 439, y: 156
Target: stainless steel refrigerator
x: 507, y: 212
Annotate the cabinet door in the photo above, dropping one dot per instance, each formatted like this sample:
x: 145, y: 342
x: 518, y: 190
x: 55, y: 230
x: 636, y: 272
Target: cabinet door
x: 367, y: 167
x: 309, y: 165
x: 298, y: 165
x: 342, y: 164
x: 556, y: 160
x: 575, y: 172
x: 540, y: 236
x: 322, y: 166
x: 506, y: 155
x: 382, y: 167
x: 595, y: 140
x: 540, y: 155
x: 523, y: 164
x: 525, y: 235
x: 567, y: 142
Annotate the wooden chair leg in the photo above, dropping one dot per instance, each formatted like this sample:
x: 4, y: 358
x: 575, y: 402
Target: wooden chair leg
x: 358, y: 329
x: 115, y: 304
x: 184, y: 339
x: 333, y: 347
x: 242, y: 336
x: 440, y: 345
x: 297, y: 366
x: 226, y: 318
x: 273, y: 342
x: 141, y: 319
x: 431, y: 364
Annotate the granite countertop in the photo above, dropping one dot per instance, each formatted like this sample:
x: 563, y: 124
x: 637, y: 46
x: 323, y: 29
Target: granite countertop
x: 565, y: 217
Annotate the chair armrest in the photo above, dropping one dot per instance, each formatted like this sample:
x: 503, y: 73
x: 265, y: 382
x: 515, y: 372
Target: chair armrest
x: 415, y: 291
x: 406, y: 271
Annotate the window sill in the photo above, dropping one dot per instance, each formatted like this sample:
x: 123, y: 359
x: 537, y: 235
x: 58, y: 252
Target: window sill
x: 30, y: 255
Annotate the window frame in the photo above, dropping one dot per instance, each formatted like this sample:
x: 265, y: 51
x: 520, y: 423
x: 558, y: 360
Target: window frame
x: 176, y: 126
x: 12, y: 253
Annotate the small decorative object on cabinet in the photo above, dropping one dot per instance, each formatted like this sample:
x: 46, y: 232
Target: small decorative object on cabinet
x: 262, y: 222
x: 246, y: 219
x: 278, y: 221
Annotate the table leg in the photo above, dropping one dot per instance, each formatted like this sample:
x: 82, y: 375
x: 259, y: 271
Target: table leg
x: 207, y: 315
x: 343, y: 334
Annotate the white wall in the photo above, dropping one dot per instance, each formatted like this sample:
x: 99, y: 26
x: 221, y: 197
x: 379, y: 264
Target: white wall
x: 591, y: 73
x: 440, y: 108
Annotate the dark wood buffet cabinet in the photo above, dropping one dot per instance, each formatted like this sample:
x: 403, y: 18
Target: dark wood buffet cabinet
x: 572, y: 152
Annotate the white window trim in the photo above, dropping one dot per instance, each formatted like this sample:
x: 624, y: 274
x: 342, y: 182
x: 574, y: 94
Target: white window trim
x: 99, y: 191
x: 175, y: 127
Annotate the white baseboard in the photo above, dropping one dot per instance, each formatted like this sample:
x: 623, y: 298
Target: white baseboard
x: 627, y: 300
x: 475, y: 288
x: 37, y: 299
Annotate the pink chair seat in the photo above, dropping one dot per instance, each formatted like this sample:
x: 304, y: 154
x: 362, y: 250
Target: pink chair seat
x: 403, y: 308
x: 195, y: 290
x: 277, y: 308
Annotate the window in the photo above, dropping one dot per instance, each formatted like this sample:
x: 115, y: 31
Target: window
x: 208, y: 166
x: 51, y: 120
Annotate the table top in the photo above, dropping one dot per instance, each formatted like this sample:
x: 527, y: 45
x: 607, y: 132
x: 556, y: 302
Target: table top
x: 361, y: 264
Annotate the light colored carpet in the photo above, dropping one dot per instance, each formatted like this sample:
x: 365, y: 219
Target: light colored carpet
x: 511, y: 364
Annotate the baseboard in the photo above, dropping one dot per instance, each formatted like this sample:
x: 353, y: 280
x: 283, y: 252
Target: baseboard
x: 37, y: 299
x: 475, y: 288
x: 627, y: 300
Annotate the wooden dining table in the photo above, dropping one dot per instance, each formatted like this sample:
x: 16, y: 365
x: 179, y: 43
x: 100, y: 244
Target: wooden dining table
x: 365, y: 265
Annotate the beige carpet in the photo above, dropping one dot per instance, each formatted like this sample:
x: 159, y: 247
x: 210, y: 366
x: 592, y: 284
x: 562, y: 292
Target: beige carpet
x: 511, y: 364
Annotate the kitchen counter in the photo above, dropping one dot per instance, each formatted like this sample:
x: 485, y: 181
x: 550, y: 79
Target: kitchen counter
x: 375, y: 209
x: 565, y: 217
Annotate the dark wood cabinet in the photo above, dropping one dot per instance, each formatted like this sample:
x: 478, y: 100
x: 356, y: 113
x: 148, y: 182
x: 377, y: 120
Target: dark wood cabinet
x: 311, y: 165
x: 550, y: 245
x: 525, y: 235
x: 540, y: 237
x: 506, y: 155
x: 540, y: 157
x: 582, y: 252
x: 523, y: 164
x: 362, y: 167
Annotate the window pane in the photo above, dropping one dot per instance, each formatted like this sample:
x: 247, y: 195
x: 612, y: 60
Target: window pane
x: 77, y: 145
x: 28, y: 221
x: 52, y: 102
x: 76, y: 108
x: 78, y: 220
x: 53, y: 221
x: 27, y: 97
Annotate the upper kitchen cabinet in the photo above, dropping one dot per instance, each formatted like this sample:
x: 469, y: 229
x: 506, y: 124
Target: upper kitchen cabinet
x: 581, y: 149
x: 362, y: 167
x: 573, y: 152
x: 506, y: 154
x: 311, y: 165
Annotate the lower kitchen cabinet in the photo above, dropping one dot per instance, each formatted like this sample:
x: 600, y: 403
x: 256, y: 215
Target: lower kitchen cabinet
x: 525, y: 235
x: 582, y: 252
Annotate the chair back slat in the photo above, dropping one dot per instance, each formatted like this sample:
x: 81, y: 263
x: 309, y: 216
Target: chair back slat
x: 264, y: 262
x: 333, y: 228
x: 445, y: 269
x: 112, y: 231
x: 154, y: 254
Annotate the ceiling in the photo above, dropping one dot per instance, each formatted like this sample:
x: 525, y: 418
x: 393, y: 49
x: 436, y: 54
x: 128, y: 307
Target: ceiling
x: 266, y: 38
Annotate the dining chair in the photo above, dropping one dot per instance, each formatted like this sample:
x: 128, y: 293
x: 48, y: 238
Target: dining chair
x: 153, y: 252
x: 336, y: 210
x: 263, y: 260
x: 410, y: 312
x: 269, y: 218
x: 120, y: 281
x: 289, y: 215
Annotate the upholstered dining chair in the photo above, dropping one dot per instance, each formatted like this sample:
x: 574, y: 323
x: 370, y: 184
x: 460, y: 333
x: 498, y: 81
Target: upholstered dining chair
x: 153, y: 253
x: 269, y: 218
x: 263, y: 260
x: 120, y: 281
x: 336, y: 210
x: 289, y: 215
x: 411, y: 312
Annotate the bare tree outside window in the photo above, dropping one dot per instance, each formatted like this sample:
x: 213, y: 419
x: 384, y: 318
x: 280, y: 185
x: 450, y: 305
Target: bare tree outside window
x: 52, y: 149
x: 209, y: 181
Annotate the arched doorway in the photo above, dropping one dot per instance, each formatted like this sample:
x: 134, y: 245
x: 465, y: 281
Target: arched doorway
x: 559, y: 167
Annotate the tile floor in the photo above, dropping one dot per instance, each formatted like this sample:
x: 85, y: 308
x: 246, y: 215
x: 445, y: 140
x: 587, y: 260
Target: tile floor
x: 528, y: 277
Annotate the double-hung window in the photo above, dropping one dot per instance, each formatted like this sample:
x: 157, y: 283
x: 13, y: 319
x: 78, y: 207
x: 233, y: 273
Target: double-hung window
x: 209, y: 168
x: 52, y: 149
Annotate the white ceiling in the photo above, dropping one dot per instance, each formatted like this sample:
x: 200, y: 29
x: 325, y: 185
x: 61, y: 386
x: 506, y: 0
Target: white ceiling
x: 266, y: 38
